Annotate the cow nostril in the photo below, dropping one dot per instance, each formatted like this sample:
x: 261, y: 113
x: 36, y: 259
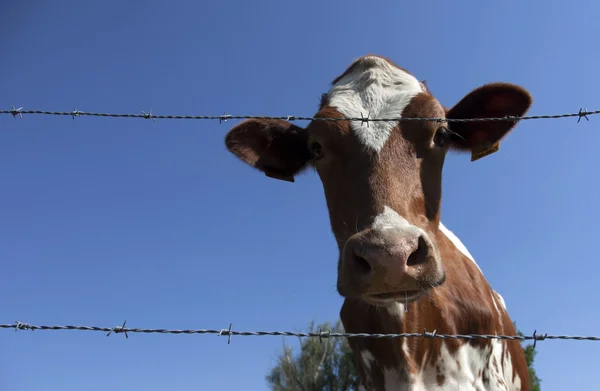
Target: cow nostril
x: 361, y: 265
x: 419, y: 255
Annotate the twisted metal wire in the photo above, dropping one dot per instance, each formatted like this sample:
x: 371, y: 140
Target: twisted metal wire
x: 321, y: 334
x: 229, y: 332
x: 76, y: 113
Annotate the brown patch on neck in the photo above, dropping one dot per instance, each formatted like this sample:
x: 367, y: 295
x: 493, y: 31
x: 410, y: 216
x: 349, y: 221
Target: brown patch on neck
x: 463, y: 305
x: 358, y: 315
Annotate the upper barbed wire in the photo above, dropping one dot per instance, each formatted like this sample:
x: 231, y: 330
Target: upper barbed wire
x: 582, y: 113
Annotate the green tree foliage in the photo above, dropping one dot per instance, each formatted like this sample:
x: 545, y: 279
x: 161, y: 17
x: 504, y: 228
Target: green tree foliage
x: 530, y: 354
x: 322, y: 365
x: 328, y: 365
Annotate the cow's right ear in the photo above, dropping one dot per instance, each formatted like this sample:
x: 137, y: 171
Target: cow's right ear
x: 274, y: 146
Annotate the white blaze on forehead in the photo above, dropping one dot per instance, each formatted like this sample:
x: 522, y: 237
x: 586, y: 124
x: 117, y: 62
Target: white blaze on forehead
x: 377, y: 89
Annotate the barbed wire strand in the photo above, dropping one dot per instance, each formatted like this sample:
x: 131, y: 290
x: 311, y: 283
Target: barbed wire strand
x: 582, y: 113
x: 321, y: 334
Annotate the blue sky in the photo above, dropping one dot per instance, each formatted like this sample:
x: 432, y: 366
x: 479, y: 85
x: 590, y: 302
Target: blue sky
x: 106, y: 219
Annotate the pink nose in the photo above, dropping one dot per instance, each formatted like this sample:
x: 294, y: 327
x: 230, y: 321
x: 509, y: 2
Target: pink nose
x: 380, y: 261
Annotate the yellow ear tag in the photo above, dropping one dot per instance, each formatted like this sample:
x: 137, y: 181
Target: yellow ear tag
x: 484, y: 151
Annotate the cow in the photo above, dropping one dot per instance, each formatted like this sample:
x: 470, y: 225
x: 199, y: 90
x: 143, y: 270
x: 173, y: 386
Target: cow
x: 400, y: 270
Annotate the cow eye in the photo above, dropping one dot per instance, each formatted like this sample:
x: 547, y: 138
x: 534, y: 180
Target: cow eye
x: 316, y: 149
x: 442, y: 136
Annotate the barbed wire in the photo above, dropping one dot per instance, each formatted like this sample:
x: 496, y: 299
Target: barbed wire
x: 582, y: 113
x: 320, y: 334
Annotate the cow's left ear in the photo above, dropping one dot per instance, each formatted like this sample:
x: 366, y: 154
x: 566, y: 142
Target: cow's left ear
x: 494, y: 100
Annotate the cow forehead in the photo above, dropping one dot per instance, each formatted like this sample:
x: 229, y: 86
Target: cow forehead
x: 373, y: 87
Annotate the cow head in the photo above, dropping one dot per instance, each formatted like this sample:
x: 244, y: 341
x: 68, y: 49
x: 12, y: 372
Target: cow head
x: 382, y: 179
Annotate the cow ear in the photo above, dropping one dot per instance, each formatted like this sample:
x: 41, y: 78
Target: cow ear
x: 276, y: 147
x: 492, y: 100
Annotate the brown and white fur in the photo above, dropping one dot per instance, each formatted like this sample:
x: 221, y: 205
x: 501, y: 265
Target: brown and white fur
x: 400, y: 270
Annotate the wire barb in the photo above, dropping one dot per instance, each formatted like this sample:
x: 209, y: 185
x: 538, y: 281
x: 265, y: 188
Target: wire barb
x: 538, y: 337
x: 75, y: 113
x: 583, y: 113
x: 512, y: 119
x: 22, y: 326
x: 364, y: 119
x: 324, y: 334
x: 228, y: 332
x: 119, y: 329
x: 148, y: 115
x: 223, y: 118
x: 16, y: 112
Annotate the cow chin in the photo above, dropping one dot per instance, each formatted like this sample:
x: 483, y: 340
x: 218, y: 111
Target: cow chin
x: 413, y: 291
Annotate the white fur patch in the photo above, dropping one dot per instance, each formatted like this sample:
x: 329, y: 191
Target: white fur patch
x: 374, y: 89
x: 501, y: 299
x: 390, y: 219
x: 367, y: 358
x: 464, y: 370
x: 467, y: 368
x: 495, y: 301
x: 461, y: 247
x: 457, y: 243
x: 396, y: 310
